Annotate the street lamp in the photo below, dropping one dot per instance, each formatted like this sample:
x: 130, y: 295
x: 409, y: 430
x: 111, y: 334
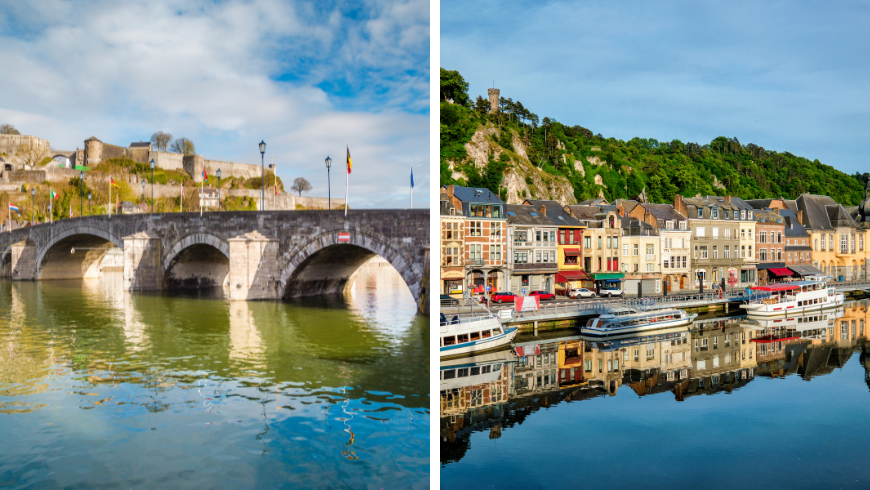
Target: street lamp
x: 143, y: 190
x: 89, y: 203
x: 81, y: 192
x: 328, y: 187
x: 152, y: 186
x: 263, y: 173
x: 33, y: 205
x: 219, y: 189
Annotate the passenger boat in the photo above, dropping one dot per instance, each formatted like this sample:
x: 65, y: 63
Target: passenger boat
x: 626, y: 321
x: 464, y: 336
x: 790, y: 298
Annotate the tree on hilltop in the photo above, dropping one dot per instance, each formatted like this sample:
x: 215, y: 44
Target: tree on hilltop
x: 300, y: 185
x: 8, y: 129
x: 161, y: 140
x: 183, y: 146
x: 453, y: 86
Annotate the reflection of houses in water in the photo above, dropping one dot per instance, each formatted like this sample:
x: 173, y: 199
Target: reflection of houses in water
x: 723, y: 357
x: 473, y: 392
x: 537, y: 367
x: 841, y: 340
x: 570, y: 362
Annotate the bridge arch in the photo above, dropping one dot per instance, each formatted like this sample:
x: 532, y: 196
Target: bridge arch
x: 196, y: 261
x: 325, y: 265
x: 75, y: 252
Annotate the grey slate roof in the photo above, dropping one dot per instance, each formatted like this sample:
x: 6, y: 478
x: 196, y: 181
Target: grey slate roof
x: 769, y: 216
x: 635, y: 227
x: 140, y: 145
x: 665, y: 212
x: 476, y: 194
x: 522, y: 215
x: 594, y: 202
x: 555, y: 212
x: 759, y: 203
x: 447, y: 207
x: 793, y: 228
x: 582, y: 212
x: 822, y: 213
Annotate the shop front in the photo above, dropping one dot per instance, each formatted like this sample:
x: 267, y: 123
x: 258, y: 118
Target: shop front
x: 604, y: 280
x: 568, y: 280
x: 772, y: 272
x: 452, y: 281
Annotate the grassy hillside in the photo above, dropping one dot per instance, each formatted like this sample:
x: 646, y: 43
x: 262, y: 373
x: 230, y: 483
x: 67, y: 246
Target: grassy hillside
x: 595, y: 165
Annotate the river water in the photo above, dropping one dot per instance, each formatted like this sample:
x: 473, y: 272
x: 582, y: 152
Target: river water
x: 727, y: 403
x: 103, y: 388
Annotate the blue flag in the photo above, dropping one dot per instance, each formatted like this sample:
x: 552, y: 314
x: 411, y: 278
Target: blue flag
x: 412, y: 177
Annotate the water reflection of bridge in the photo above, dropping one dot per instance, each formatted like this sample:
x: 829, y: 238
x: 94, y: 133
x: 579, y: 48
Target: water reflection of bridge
x: 718, y: 355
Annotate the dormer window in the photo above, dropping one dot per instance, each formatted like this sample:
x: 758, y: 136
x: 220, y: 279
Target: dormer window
x: 700, y: 213
x: 714, y: 213
x: 742, y: 214
x: 762, y: 220
x: 727, y: 214
x: 669, y: 225
x: 682, y: 225
x: 749, y: 214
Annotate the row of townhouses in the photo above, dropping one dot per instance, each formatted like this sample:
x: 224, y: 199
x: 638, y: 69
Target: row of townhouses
x: 645, y: 248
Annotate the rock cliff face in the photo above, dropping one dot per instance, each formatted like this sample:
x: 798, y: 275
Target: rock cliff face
x: 522, y: 179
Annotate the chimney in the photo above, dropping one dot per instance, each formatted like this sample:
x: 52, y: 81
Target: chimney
x: 450, y: 191
x: 680, y: 206
x: 621, y: 211
x: 543, y: 210
x: 728, y: 198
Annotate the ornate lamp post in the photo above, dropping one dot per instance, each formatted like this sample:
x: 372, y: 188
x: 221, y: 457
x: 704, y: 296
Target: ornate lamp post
x: 89, y: 203
x: 329, y: 189
x: 33, y: 205
x: 152, y: 185
x: 219, y: 188
x: 263, y: 173
x: 81, y: 192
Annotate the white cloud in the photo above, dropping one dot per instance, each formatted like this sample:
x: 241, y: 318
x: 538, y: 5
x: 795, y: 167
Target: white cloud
x: 226, y: 75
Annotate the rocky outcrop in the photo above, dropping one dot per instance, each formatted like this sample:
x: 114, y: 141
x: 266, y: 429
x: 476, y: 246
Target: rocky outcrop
x: 595, y: 161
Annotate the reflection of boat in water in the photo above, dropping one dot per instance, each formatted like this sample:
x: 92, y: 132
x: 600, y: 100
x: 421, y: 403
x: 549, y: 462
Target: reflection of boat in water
x: 473, y: 370
x: 619, y: 342
x: 627, y: 322
x: 465, y: 336
x: 791, y: 298
x: 810, y: 325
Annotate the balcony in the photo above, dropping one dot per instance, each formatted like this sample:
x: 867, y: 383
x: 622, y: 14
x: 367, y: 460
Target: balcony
x: 540, y: 266
x: 522, y: 244
x: 474, y: 262
x: 451, y: 263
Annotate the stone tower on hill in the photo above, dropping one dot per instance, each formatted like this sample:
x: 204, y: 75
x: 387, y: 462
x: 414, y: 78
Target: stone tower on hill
x: 493, y: 100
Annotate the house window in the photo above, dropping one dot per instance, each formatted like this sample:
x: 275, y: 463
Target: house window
x: 635, y: 250
x: 475, y: 228
x: 625, y: 250
x: 682, y: 225
x: 715, y: 232
x: 521, y: 257
x: 816, y: 244
x: 714, y: 213
x: 701, y: 231
x: 726, y: 214
x: 599, y: 243
x: 669, y: 225
x: 495, y: 252
x: 700, y: 213
x: 495, y: 230
x: 715, y: 252
x: 703, y: 251
x: 649, y: 268
x: 742, y: 214
x: 475, y: 251
x: 727, y: 254
x: 587, y: 242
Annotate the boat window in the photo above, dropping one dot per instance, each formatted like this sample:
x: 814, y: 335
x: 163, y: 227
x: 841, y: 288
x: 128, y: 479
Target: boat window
x: 498, y: 330
x: 485, y: 369
x: 486, y: 333
x: 450, y: 340
x: 475, y: 370
x: 450, y: 374
x: 462, y: 372
x: 475, y: 335
x: 463, y: 338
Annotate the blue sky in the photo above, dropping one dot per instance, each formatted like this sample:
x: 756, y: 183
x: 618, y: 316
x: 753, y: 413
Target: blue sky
x: 788, y: 76
x: 306, y: 77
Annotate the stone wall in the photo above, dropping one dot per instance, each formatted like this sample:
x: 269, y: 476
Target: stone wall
x: 10, y: 143
x: 166, y: 160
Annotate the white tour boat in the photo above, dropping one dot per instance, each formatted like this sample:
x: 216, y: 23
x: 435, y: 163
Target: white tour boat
x: 812, y: 325
x: 626, y: 321
x: 791, y: 298
x: 465, y: 336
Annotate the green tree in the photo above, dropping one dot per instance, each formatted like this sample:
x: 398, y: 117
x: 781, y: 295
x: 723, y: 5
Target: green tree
x: 453, y: 86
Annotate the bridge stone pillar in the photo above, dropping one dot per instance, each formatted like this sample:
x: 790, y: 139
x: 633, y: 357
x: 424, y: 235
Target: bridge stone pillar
x: 423, y: 304
x: 143, y: 265
x: 254, y: 272
x: 23, y: 261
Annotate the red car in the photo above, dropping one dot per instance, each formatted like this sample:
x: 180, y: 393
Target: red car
x: 504, y: 297
x: 543, y: 295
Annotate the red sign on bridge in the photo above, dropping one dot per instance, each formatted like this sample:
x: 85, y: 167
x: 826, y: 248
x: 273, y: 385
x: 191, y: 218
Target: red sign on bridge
x: 343, y: 237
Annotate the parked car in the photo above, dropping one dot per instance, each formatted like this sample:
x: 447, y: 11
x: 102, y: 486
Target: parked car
x: 610, y: 292
x: 543, y: 295
x: 503, y: 297
x: 581, y: 293
x: 448, y: 301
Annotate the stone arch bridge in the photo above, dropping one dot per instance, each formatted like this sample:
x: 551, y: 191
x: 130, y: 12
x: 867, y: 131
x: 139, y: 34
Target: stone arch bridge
x: 255, y: 254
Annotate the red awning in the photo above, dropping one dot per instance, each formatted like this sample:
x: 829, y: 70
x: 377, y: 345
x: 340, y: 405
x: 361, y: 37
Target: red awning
x: 780, y: 271
x: 776, y: 287
x: 572, y: 252
x: 565, y: 276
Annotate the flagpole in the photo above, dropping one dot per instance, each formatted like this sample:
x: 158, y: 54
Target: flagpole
x: 346, y: 184
x: 110, y: 195
x: 202, y: 188
x: 50, y: 214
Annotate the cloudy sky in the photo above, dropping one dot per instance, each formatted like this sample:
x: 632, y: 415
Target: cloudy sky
x: 306, y: 77
x: 788, y: 76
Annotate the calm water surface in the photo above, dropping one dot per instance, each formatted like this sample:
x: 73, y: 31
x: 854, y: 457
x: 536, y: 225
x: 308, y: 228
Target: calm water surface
x: 103, y: 388
x: 729, y: 403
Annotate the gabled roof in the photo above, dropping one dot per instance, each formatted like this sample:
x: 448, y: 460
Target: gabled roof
x: 555, y: 212
x: 582, y: 212
x: 664, y: 212
x: 141, y: 145
x: 793, y: 228
x: 822, y: 213
x: 594, y: 202
x: 759, y: 203
x: 92, y: 138
x: 526, y: 214
x: 635, y: 227
x: 769, y: 216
